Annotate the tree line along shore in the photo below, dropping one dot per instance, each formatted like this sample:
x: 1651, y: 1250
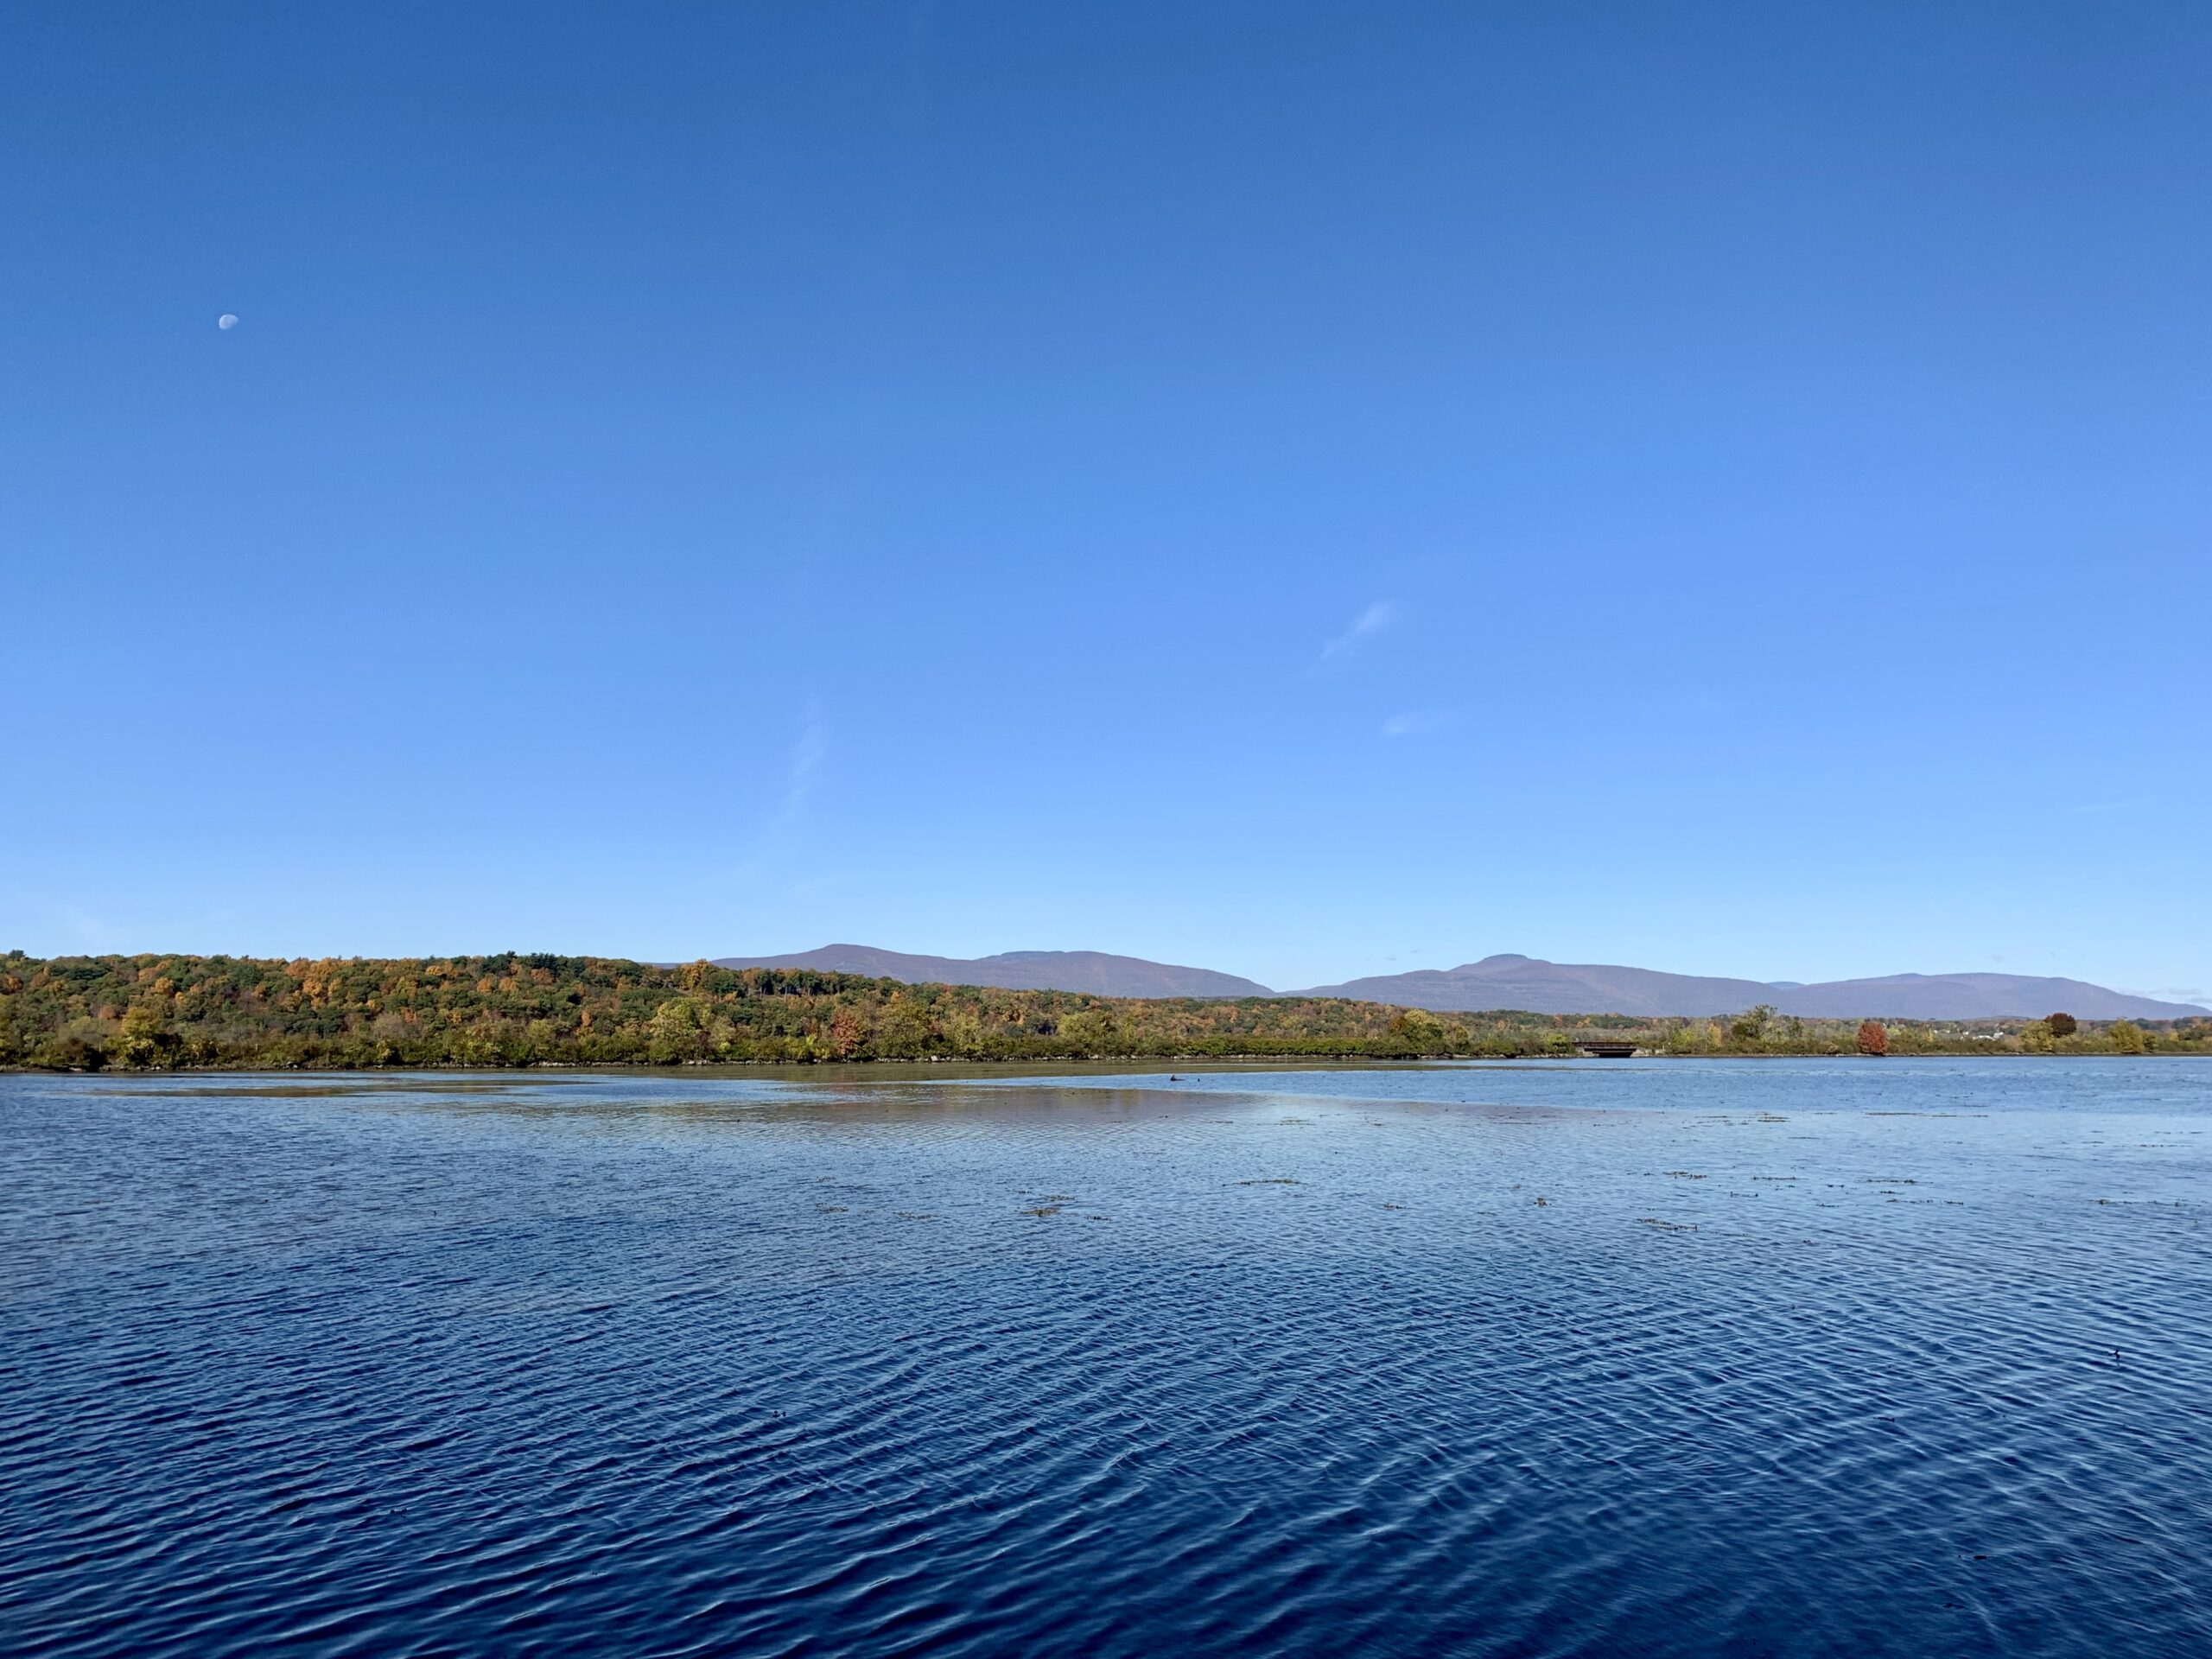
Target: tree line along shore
x: 157, y: 1013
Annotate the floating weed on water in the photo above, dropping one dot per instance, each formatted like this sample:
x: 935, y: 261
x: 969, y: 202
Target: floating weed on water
x: 1682, y: 1175
x: 1044, y: 1210
x: 829, y: 1208
x: 916, y: 1215
x: 1270, y: 1180
x: 1668, y: 1226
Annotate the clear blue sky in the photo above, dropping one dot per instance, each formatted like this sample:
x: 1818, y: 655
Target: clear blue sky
x: 1306, y: 490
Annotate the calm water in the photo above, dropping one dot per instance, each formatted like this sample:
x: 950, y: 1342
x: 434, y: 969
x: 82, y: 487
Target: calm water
x: 1665, y: 1358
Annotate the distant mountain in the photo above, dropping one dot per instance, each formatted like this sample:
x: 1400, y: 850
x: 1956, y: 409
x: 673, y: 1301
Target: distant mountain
x: 1538, y: 986
x: 1971, y: 996
x: 1527, y: 984
x: 1092, y: 971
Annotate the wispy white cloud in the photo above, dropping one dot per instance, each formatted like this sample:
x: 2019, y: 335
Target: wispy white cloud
x: 94, y: 932
x: 810, y: 753
x: 1364, y: 627
x: 1413, y: 722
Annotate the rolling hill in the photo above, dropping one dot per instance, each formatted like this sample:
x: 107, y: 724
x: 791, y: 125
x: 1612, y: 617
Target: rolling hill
x: 1528, y: 984
x: 1093, y: 971
x: 1534, y: 986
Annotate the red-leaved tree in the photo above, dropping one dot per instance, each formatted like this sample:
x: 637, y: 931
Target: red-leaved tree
x: 1873, y: 1038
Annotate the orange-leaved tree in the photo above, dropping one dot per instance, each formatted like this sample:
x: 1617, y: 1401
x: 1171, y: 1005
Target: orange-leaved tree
x: 1873, y: 1038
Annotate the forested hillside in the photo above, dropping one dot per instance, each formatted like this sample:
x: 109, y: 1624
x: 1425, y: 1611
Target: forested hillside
x: 154, y: 1012
x: 515, y: 1010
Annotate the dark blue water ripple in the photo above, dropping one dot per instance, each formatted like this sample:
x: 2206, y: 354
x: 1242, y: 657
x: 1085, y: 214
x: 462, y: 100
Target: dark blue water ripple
x: 1792, y: 1359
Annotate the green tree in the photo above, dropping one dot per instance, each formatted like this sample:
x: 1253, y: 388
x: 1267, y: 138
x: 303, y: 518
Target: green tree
x: 140, y: 1041
x: 903, y: 1033
x: 677, y: 1032
x: 1752, y: 1025
x: 1422, y: 1032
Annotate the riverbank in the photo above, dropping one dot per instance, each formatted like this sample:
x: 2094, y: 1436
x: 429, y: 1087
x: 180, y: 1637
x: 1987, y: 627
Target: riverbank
x: 180, y: 1013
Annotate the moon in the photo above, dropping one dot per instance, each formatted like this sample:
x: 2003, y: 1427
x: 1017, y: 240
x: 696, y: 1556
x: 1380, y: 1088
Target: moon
x: 227, y: 321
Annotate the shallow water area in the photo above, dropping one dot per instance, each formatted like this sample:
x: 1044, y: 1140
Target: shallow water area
x: 1674, y: 1358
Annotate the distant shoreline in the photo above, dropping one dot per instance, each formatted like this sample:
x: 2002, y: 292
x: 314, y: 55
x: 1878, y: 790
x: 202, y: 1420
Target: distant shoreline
x: 1114, y: 1062
x: 511, y: 1011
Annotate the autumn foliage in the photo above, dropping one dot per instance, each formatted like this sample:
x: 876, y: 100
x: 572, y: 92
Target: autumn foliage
x: 161, y: 1012
x: 157, y: 1012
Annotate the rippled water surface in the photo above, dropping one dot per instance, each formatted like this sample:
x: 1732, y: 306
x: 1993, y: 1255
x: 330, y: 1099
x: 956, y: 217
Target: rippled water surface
x: 1659, y: 1358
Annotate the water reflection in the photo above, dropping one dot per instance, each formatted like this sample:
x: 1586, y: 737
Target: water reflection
x: 1788, y: 1358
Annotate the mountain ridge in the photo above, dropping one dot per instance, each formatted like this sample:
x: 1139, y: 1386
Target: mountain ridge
x: 1511, y: 981
x: 1095, y: 972
x: 1533, y: 986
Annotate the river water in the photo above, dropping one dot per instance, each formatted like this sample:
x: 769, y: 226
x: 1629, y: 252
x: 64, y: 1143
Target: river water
x: 1676, y: 1358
